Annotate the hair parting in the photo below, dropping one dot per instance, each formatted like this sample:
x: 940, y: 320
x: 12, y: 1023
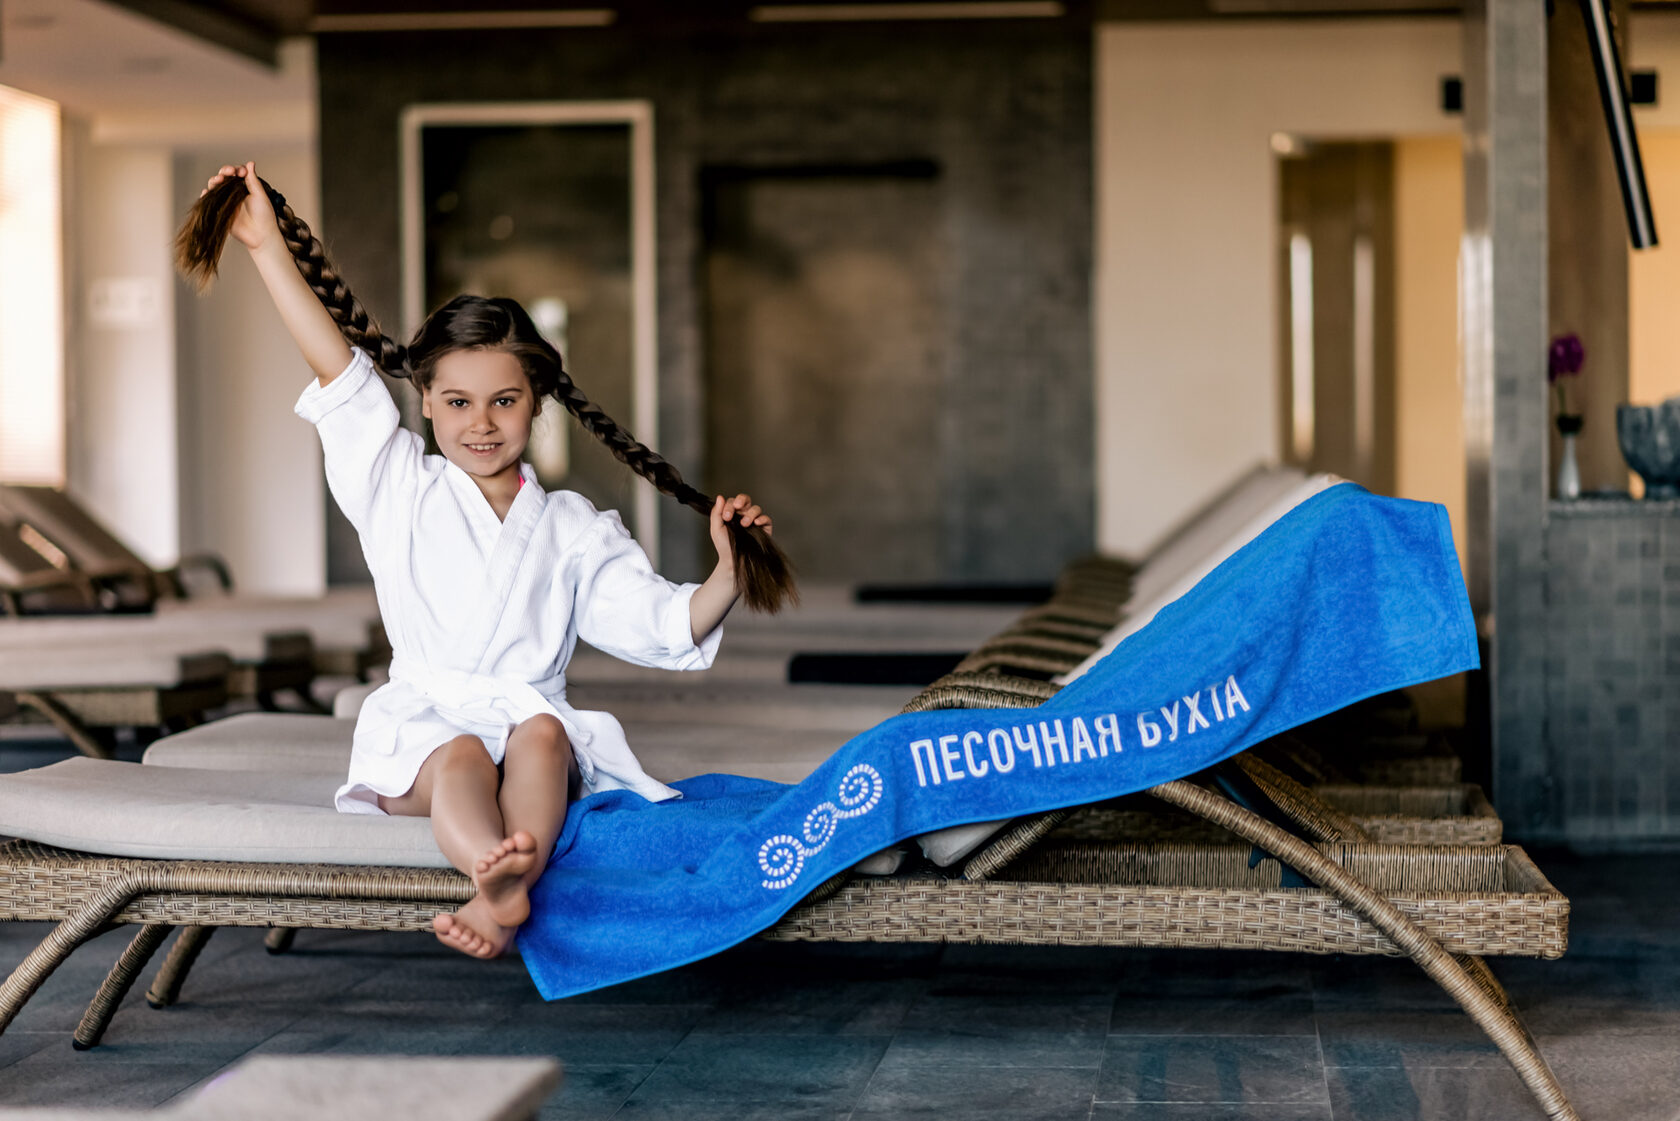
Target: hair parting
x: 762, y: 572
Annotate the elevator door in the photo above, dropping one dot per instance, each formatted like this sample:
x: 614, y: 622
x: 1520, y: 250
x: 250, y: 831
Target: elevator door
x: 824, y: 365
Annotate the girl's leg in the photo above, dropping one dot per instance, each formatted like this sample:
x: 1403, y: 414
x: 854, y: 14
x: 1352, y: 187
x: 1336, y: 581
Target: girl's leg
x: 538, y: 774
x: 456, y: 788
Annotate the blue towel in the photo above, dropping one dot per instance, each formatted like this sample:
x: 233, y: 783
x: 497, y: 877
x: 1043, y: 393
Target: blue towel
x: 1347, y: 596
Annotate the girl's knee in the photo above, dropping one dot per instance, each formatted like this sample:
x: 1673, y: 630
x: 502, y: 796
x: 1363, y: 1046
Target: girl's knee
x: 465, y: 753
x: 546, y: 726
x: 541, y: 733
x: 543, y: 730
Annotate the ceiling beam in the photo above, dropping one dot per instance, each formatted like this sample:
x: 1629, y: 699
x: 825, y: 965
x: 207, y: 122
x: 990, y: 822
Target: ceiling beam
x: 216, y: 27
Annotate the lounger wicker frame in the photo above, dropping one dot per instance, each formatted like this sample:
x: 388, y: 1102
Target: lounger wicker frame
x: 1442, y: 927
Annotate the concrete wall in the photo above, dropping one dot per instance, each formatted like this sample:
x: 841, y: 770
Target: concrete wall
x: 1003, y: 108
x: 1185, y: 302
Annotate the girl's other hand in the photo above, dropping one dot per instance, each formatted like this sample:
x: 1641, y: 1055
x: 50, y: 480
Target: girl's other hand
x: 255, y: 223
x: 741, y: 509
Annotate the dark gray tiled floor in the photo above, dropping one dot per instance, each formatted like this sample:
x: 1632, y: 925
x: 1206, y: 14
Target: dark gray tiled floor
x: 827, y: 1033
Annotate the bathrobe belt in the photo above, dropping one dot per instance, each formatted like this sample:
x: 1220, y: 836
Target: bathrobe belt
x: 468, y: 693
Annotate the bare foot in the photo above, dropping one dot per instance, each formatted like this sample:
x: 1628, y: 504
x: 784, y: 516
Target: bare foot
x: 473, y: 931
x: 500, y: 876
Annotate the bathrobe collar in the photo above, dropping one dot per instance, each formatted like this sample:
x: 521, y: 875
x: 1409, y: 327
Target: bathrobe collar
x: 512, y: 536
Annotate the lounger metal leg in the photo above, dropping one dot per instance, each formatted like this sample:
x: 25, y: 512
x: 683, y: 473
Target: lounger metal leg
x: 279, y: 940
x: 1467, y: 986
x: 166, y: 986
x: 116, y: 985
x: 65, y: 721
x: 83, y: 923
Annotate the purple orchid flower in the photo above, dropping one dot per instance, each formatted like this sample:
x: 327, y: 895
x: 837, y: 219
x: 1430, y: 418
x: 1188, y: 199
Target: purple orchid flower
x: 1565, y: 358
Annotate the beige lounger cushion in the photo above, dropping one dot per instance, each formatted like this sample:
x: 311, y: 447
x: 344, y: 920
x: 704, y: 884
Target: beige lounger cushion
x: 318, y: 748
x: 271, y: 741
x: 177, y: 634
x: 347, y: 702
x: 56, y: 667
x: 178, y: 813
x: 289, y: 742
x: 336, y: 620
x: 947, y: 846
x: 1212, y: 529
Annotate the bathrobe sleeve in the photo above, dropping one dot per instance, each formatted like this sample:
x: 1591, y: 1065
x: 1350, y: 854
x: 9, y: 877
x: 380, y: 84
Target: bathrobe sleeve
x: 626, y: 609
x: 370, y: 457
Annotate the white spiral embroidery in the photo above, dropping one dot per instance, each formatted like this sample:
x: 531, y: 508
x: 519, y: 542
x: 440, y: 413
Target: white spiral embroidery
x: 782, y: 857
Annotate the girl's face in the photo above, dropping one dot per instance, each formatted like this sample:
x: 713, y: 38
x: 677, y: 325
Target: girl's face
x: 480, y: 405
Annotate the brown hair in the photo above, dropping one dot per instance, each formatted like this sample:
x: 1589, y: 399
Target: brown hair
x: 762, y: 572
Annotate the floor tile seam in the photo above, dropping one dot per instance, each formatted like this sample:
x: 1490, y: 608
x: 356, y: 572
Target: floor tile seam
x: 652, y: 1069
x: 1214, y: 1101
x: 736, y: 1099
x: 218, y: 1071
x: 27, y: 1054
x: 695, y: 1030
x: 630, y: 1093
x: 704, y: 1032
x: 863, y: 1090
x: 244, y: 1054
x: 989, y: 1065
x: 1216, y: 1034
x: 1488, y: 1056
x: 1323, y: 1067
x: 177, y: 1092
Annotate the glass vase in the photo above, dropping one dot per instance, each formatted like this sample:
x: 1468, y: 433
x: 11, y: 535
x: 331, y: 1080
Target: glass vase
x: 1569, y: 468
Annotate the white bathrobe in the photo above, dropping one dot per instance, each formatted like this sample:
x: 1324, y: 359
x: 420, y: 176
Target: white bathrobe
x: 483, y: 614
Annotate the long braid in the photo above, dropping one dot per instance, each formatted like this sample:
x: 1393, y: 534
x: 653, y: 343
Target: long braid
x: 640, y: 458
x: 762, y: 572
x: 198, y: 251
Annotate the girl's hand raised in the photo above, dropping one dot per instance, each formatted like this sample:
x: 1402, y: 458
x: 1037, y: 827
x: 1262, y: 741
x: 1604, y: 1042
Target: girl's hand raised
x: 740, y: 508
x: 255, y: 223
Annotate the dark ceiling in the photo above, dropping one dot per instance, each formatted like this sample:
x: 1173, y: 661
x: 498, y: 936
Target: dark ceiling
x: 254, y: 27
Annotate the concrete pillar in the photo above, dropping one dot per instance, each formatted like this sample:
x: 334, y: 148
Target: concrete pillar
x: 1506, y: 331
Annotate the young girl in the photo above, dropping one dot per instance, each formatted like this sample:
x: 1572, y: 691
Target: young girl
x: 485, y: 583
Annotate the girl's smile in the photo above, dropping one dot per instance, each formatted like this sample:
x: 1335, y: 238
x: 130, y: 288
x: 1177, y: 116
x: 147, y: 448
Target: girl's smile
x: 480, y: 405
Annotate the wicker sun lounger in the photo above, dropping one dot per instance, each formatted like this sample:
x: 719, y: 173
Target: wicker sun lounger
x: 91, y: 548
x: 1054, y: 641
x: 343, y: 624
x: 1429, y: 903
x: 264, y: 661
x: 266, y: 657
x: 31, y: 584
x: 1105, y: 577
x: 320, y: 745
x: 1444, y: 906
x: 82, y: 689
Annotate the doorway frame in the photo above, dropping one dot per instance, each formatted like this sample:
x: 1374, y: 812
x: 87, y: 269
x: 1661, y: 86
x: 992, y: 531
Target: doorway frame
x: 644, y: 329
